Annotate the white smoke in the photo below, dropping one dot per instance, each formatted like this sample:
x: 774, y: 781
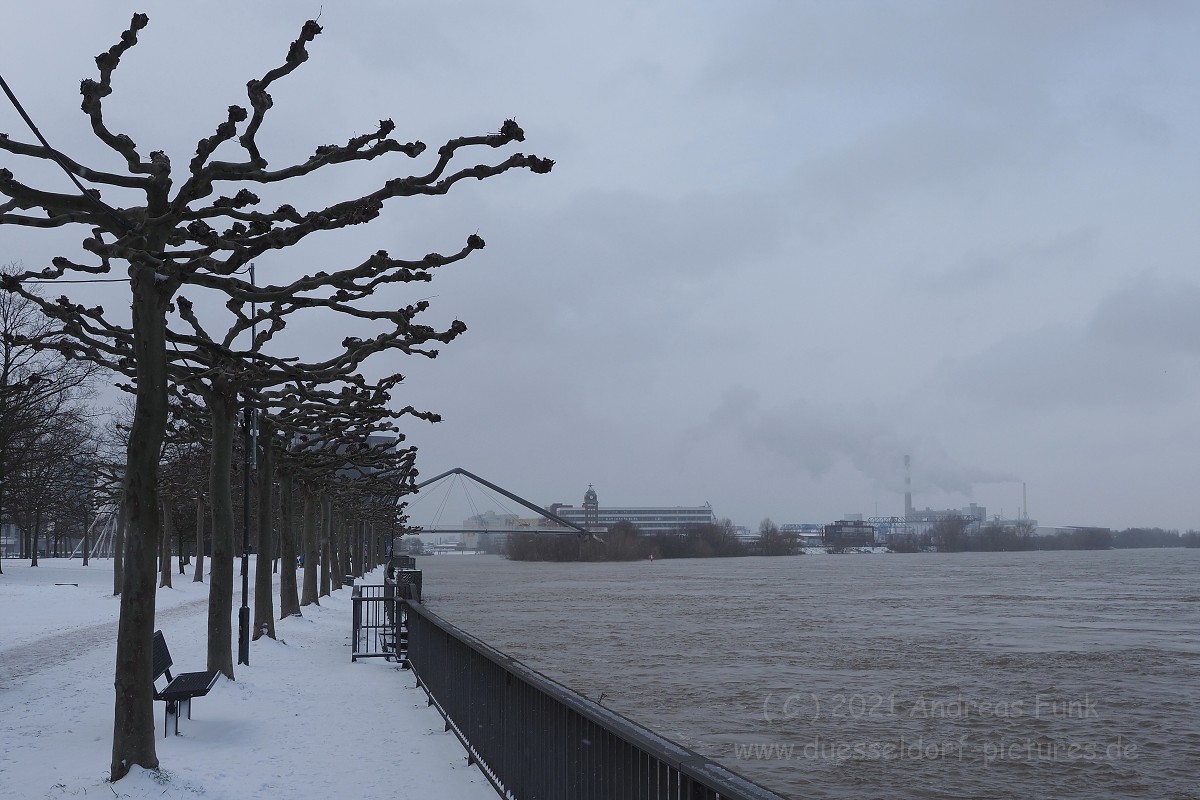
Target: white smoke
x: 816, y: 438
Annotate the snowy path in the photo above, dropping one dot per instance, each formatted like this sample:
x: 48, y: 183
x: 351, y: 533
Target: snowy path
x: 62, y: 647
x: 301, y: 721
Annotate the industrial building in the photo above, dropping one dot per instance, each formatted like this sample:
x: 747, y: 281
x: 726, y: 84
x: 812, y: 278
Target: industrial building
x: 849, y: 533
x: 648, y: 519
x: 809, y: 534
x: 921, y: 523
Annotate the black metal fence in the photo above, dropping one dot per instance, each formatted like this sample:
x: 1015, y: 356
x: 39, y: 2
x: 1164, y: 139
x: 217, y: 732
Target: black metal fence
x: 535, y: 739
x: 373, y: 618
x: 379, y: 617
x: 408, y: 584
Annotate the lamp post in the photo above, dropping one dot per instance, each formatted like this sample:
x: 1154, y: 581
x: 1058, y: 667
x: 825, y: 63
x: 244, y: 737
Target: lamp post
x: 244, y: 611
x: 249, y: 441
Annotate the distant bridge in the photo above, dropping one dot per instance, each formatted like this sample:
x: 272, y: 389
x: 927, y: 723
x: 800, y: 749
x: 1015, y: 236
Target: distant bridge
x: 559, y: 523
x: 448, y: 529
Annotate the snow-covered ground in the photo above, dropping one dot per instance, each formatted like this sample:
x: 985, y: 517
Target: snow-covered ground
x: 822, y: 551
x: 301, y: 721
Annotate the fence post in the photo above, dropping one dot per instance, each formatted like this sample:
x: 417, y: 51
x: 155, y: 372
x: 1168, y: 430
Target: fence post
x: 356, y: 620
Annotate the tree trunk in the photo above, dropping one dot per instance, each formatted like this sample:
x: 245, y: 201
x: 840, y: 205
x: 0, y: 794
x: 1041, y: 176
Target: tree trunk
x: 87, y: 544
x: 347, y: 550
x: 360, y: 549
x: 184, y: 557
x: 3, y: 461
x: 198, y: 576
x: 222, y: 413
x: 289, y: 598
x: 326, y: 543
x: 349, y: 557
x: 338, y: 571
x: 164, y: 558
x: 264, y: 603
x: 133, y: 720
x: 311, y: 551
x: 37, y: 532
x: 372, y: 546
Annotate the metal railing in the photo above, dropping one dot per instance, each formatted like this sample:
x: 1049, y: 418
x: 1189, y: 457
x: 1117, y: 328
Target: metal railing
x: 372, y: 619
x: 408, y: 584
x: 535, y: 739
x: 379, y: 617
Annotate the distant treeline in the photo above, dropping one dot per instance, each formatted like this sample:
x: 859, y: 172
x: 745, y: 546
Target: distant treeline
x: 1155, y: 537
x: 951, y: 535
x: 625, y: 542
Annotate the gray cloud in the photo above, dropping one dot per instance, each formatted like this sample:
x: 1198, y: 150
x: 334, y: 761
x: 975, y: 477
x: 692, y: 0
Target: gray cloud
x: 1136, y: 350
x: 962, y: 232
x: 1153, y: 314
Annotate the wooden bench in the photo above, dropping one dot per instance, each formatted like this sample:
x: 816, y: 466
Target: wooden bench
x: 182, y: 688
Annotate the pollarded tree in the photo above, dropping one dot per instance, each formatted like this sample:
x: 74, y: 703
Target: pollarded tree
x: 209, y: 368
x: 332, y: 436
x: 169, y: 229
x: 223, y: 377
x: 365, y: 493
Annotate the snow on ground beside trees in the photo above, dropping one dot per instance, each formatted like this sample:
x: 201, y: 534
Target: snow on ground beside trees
x: 301, y: 721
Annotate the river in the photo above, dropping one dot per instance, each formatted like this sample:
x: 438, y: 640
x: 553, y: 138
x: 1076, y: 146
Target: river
x: 982, y: 675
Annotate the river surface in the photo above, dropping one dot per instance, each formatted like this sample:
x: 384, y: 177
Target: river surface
x: 980, y: 675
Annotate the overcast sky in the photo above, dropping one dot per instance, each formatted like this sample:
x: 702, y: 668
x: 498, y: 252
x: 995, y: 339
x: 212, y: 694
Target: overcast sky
x: 785, y: 243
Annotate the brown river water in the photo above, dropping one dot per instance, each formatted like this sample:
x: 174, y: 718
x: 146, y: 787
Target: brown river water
x: 974, y: 675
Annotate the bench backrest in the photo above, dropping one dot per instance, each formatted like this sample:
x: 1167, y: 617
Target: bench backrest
x: 162, y: 656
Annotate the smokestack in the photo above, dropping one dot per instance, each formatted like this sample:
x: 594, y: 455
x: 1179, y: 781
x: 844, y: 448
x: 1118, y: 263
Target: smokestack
x: 908, y: 509
x: 1024, y: 502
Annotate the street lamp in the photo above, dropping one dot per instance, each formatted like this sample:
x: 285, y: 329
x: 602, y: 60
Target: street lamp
x: 249, y: 442
x: 244, y: 611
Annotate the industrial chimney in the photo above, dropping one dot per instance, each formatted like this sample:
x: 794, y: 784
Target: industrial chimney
x: 908, y: 509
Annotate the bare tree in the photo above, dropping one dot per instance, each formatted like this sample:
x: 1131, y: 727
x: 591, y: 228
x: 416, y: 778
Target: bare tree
x: 113, y: 441
x: 52, y: 480
x: 40, y: 392
x: 221, y: 376
x: 949, y: 533
x: 773, y: 542
x: 181, y: 479
x: 165, y: 239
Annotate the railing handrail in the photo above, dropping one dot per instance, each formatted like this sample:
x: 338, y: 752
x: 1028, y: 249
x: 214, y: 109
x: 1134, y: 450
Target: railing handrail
x: 714, y: 776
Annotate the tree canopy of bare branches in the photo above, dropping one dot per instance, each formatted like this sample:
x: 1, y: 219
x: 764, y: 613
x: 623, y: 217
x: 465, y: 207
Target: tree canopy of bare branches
x: 201, y: 227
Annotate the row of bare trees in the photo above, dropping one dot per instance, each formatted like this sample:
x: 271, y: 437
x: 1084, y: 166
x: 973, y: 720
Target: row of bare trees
x: 331, y: 464
x: 47, y: 446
